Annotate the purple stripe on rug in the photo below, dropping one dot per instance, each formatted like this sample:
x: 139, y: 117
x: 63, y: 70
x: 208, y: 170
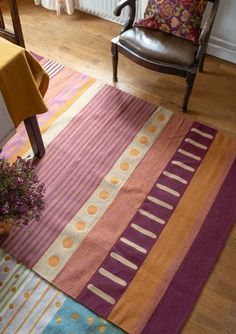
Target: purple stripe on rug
x: 36, y: 56
x: 168, y: 318
x: 147, y: 224
x: 76, y: 162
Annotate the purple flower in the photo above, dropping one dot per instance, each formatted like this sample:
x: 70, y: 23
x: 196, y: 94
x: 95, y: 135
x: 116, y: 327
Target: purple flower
x: 21, y: 194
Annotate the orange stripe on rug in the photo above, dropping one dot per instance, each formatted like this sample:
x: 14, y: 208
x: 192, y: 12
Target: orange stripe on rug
x: 167, y: 254
x: 76, y: 273
x: 68, y: 103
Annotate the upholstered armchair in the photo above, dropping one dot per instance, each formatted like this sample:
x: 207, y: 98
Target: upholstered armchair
x: 160, y: 51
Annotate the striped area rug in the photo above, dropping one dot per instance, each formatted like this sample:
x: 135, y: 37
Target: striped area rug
x: 139, y: 204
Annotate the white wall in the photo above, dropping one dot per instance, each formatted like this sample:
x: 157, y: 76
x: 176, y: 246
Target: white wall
x: 222, y: 42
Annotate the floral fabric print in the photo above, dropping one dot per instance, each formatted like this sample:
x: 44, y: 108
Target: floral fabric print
x: 181, y: 18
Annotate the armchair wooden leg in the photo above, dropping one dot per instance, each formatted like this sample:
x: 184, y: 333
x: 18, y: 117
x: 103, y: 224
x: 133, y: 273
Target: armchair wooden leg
x: 188, y: 90
x: 114, y: 52
x: 201, y: 65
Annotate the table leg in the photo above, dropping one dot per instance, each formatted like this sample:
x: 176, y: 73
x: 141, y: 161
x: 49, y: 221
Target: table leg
x: 34, y: 134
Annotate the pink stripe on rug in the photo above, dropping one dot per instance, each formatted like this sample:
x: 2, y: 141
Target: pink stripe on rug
x: 97, y: 137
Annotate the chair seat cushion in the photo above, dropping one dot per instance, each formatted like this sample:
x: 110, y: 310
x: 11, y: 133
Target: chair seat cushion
x: 158, y: 46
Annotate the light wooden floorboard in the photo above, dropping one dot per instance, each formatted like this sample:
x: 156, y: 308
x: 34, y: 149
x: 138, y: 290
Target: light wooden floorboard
x: 82, y: 42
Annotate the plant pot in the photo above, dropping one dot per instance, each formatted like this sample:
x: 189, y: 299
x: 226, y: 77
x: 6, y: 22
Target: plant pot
x: 5, y: 226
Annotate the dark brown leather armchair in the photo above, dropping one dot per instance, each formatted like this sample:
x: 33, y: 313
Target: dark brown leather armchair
x: 160, y: 51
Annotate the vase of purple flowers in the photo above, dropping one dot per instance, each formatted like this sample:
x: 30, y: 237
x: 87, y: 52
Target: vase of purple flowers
x: 21, y: 194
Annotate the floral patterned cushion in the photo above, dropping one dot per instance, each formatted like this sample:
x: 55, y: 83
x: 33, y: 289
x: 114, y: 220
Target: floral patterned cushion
x: 178, y: 17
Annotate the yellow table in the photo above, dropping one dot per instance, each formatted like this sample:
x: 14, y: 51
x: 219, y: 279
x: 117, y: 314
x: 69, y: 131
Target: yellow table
x: 23, y: 83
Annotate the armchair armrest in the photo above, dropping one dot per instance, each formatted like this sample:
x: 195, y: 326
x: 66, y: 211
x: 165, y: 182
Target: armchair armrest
x: 203, y: 39
x: 130, y: 20
x: 209, y: 23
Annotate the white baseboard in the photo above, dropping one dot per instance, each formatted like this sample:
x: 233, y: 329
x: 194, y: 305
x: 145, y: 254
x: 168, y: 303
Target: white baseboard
x: 222, y: 49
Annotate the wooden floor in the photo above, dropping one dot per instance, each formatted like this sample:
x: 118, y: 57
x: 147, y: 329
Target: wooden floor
x: 82, y: 42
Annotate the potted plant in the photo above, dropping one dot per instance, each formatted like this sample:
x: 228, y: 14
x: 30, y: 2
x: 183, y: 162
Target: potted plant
x: 21, y: 194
